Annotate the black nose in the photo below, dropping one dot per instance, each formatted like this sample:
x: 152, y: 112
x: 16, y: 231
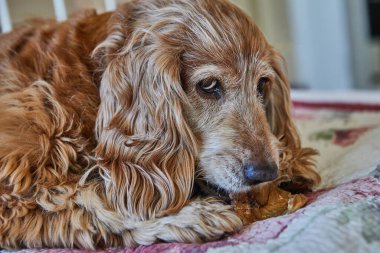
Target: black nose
x: 255, y: 174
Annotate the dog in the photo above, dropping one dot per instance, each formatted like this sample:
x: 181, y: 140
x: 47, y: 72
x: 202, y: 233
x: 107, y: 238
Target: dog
x: 108, y: 120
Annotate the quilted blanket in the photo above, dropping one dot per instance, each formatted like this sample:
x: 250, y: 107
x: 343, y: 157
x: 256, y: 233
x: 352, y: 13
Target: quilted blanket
x: 342, y: 215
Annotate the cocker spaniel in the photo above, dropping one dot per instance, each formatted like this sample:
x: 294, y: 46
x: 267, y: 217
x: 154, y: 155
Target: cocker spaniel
x: 108, y: 120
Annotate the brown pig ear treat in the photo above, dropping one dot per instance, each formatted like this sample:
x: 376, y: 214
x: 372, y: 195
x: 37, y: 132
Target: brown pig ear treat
x: 266, y: 200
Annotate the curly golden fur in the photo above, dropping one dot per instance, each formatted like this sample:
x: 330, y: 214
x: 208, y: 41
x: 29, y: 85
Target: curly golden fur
x: 106, y: 123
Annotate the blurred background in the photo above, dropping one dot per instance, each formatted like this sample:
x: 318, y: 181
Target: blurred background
x: 328, y: 44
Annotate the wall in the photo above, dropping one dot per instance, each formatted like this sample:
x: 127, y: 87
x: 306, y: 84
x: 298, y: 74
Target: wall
x: 323, y: 41
x: 273, y: 19
x: 19, y: 10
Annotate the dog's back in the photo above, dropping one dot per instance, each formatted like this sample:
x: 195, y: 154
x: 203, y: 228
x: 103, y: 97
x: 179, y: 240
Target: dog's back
x: 48, y: 105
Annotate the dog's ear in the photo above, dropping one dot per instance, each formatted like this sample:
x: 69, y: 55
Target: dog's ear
x: 279, y: 106
x: 146, y: 150
x: 297, y: 162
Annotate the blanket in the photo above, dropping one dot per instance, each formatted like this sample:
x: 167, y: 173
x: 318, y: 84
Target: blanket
x: 342, y: 215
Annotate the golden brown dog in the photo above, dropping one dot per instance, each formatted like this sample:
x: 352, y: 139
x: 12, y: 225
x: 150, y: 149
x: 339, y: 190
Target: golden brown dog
x: 105, y: 121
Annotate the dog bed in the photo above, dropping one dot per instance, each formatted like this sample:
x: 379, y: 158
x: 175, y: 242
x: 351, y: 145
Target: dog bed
x: 343, y: 214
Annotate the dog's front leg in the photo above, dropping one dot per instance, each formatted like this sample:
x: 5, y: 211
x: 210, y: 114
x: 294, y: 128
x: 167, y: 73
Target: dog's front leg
x: 201, y: 220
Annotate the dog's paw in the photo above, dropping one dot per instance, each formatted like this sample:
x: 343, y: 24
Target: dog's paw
x: 201, y: 220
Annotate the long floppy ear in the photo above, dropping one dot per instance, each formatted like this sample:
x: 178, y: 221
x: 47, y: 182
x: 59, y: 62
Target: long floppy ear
x: 146, y: 151
x: 296, y: 162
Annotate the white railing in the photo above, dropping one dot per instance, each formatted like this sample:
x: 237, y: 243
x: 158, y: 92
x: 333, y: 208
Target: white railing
x: 60, y: 11
x: 6, y: 24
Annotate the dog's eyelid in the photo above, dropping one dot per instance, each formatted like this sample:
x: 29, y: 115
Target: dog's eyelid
x: 210, y: 88
x: 263, y: 84
x: 210, y: 85
x: 263, y: 87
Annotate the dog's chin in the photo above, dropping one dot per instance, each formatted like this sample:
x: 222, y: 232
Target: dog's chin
x: 206, y: 188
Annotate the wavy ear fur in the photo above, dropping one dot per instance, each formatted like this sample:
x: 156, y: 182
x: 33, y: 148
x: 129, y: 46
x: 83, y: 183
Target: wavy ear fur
x: 296, y: 162
x: 146, y: 151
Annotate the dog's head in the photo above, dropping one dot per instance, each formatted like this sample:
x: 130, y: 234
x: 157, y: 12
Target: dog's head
x: 189, y: 86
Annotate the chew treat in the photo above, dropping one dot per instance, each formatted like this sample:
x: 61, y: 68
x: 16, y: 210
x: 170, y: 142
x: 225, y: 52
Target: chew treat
x: 265, y: 201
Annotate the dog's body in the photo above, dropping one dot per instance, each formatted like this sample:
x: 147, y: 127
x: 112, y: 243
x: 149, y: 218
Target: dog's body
x: 106, y: 119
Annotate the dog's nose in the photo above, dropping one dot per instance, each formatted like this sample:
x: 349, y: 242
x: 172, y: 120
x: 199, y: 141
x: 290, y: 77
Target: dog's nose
x: 255, y: 174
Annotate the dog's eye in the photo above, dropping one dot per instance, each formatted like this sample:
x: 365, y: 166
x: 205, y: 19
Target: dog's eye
x: 210, y: 88
x: 262, y: 86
